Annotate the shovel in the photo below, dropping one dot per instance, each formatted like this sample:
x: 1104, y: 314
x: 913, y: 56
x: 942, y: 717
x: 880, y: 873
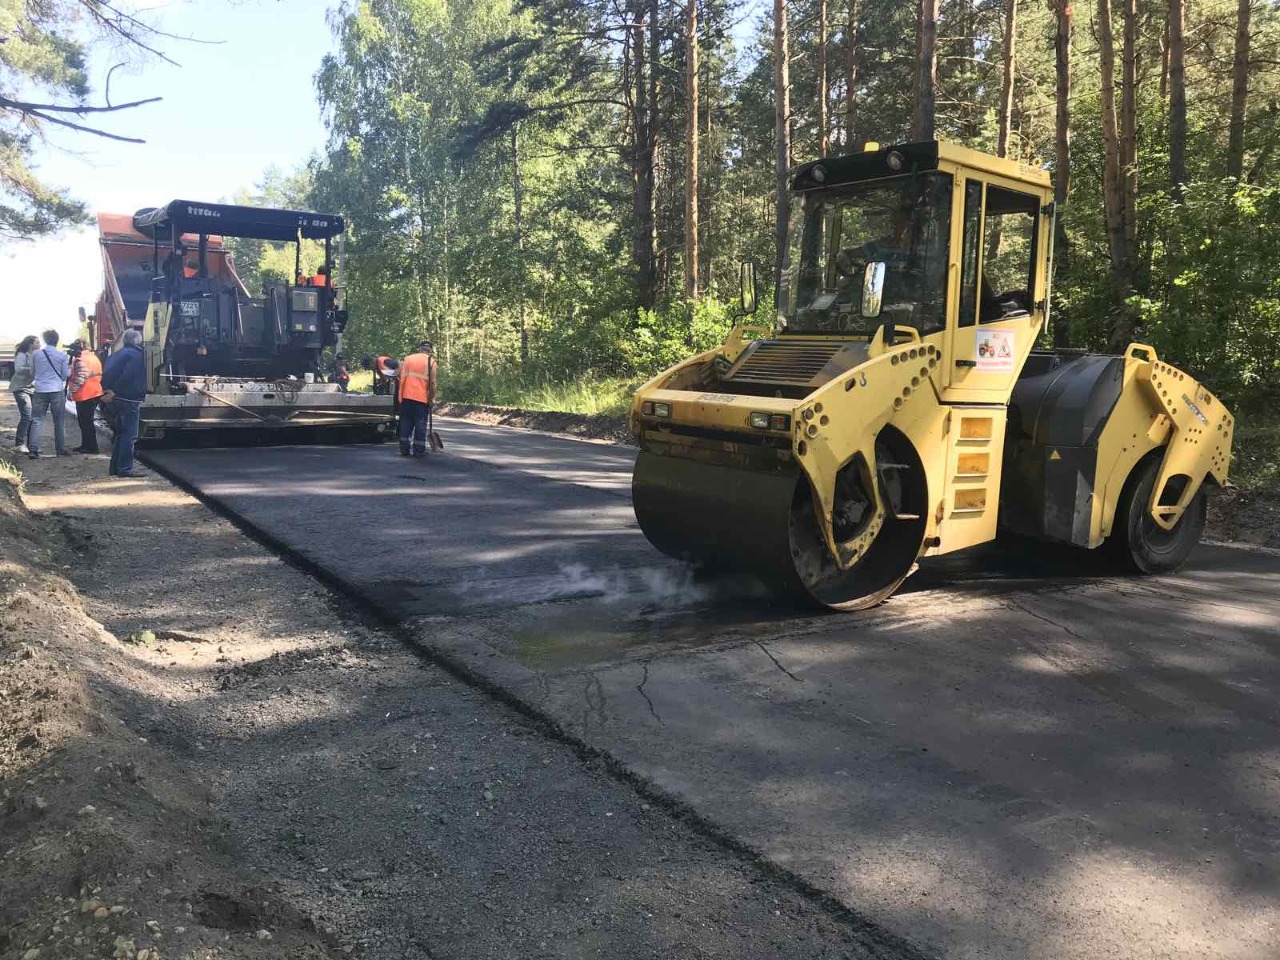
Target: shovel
x: 433, y: 438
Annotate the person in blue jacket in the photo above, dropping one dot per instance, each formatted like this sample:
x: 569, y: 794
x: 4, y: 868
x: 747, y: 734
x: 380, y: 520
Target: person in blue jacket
x: 124, y: 384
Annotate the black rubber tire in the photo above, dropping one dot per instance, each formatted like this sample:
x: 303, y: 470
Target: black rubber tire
x: 1140, y: 543
x: 889, y: 560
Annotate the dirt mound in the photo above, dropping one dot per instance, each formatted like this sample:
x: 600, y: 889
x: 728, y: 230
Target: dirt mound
x: 1240, y: 515
x: 107, y: 847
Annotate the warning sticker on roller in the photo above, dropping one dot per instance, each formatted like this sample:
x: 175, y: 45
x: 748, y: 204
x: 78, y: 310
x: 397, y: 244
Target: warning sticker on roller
x: 995, y: 350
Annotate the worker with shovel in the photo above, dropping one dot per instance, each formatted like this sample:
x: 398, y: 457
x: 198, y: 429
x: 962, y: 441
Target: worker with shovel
x: 417, y: 392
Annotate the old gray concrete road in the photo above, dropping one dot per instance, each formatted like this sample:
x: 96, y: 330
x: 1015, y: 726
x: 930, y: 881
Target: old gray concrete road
x: 1020, y: 756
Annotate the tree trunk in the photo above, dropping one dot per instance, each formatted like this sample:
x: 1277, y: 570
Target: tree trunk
x: 1164, y: 60
x: 517, y: 184
x: 1113, y: 188
x: 1239, y: 92
x: 448, y: 287
x: 1006, y: 89
x: 824, y: 143
x: 691, y: 152
x: 850, y: 74
x: 643, y: 252
x: 1062, y: 56
x: 1062, y: 140
x: 706, y: 216
x: 1177, y: 98
x: 1129, y: 130
x: 653, y: 156
x: 1115, y: 181
x: 927, y: 77
x: 782, y: 134
x: 1006, y: 111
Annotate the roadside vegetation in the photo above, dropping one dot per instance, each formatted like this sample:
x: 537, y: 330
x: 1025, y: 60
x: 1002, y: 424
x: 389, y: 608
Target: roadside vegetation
x: 610, y: 397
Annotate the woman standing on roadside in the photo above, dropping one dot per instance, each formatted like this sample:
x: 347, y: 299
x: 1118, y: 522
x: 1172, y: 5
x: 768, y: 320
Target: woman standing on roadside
x: 22, y: 385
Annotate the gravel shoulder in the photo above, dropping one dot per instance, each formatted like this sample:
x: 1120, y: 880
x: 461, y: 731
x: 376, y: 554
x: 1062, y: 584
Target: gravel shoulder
x: 204, y: 754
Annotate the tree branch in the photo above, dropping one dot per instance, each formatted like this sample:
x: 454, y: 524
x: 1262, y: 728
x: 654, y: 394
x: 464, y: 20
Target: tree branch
x: 35, y: 115
x: 23, y: 106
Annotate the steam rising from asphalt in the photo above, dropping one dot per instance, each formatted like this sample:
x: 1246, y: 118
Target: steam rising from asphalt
x: 646, y: 585
x: 650, y: 591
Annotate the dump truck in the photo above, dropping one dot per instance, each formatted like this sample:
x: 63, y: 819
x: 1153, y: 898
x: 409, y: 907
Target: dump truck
x: 222, y: 365
x: 7, y: 349
x: 900, y: 409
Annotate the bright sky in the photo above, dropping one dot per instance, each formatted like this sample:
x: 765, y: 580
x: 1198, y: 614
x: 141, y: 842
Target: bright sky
x: 230, y: 111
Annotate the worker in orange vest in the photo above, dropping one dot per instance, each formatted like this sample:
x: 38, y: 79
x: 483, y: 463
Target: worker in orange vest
x: 417, y: 391
x: 384, y: 374
x: 85, y: 384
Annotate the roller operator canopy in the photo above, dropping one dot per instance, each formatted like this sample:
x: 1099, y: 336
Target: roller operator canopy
x: 910, y: 158
x: 259, y: 223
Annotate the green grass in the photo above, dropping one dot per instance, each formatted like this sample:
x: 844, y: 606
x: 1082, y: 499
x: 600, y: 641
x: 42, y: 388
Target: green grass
x: 9, y: 473
x: 361, y: 381
x: 608, y: 396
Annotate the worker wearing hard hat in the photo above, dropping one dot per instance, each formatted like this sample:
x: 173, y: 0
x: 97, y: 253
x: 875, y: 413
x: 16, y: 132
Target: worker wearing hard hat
x: 416, y: 393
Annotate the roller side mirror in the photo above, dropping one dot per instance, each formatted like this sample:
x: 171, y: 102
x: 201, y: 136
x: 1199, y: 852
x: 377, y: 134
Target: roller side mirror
x: 747, y: 299
x: 873, y: 289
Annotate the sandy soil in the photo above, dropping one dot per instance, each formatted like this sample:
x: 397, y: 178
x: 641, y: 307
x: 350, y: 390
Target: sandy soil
x: 203, y: 754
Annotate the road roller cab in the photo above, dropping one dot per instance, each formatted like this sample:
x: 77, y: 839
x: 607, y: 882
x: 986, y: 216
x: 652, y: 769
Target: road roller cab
x: 878, y: 420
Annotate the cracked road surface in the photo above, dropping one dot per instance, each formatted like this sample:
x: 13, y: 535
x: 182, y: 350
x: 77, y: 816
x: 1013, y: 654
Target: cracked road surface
x: 1019, y: 756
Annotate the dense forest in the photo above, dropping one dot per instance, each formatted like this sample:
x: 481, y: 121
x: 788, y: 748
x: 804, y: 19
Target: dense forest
x: 562, y: 190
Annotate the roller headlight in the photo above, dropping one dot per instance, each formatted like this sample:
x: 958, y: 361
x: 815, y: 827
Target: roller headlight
x: 760, y: 421
x: 662, y: 409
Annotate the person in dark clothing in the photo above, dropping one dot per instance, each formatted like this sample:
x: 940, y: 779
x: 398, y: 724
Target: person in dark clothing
x: 124, y: 379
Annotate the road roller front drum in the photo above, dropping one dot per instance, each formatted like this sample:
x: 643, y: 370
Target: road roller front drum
x: 765, y: 522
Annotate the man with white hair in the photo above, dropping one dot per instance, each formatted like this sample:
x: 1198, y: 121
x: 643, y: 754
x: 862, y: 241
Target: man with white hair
x: 124, y: 382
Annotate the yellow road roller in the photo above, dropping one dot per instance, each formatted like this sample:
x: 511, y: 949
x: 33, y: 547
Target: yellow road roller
x: 899, y: 408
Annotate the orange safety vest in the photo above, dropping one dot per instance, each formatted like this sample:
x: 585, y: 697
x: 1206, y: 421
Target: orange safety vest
x: 418, y: 377
x: 92, y: 386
